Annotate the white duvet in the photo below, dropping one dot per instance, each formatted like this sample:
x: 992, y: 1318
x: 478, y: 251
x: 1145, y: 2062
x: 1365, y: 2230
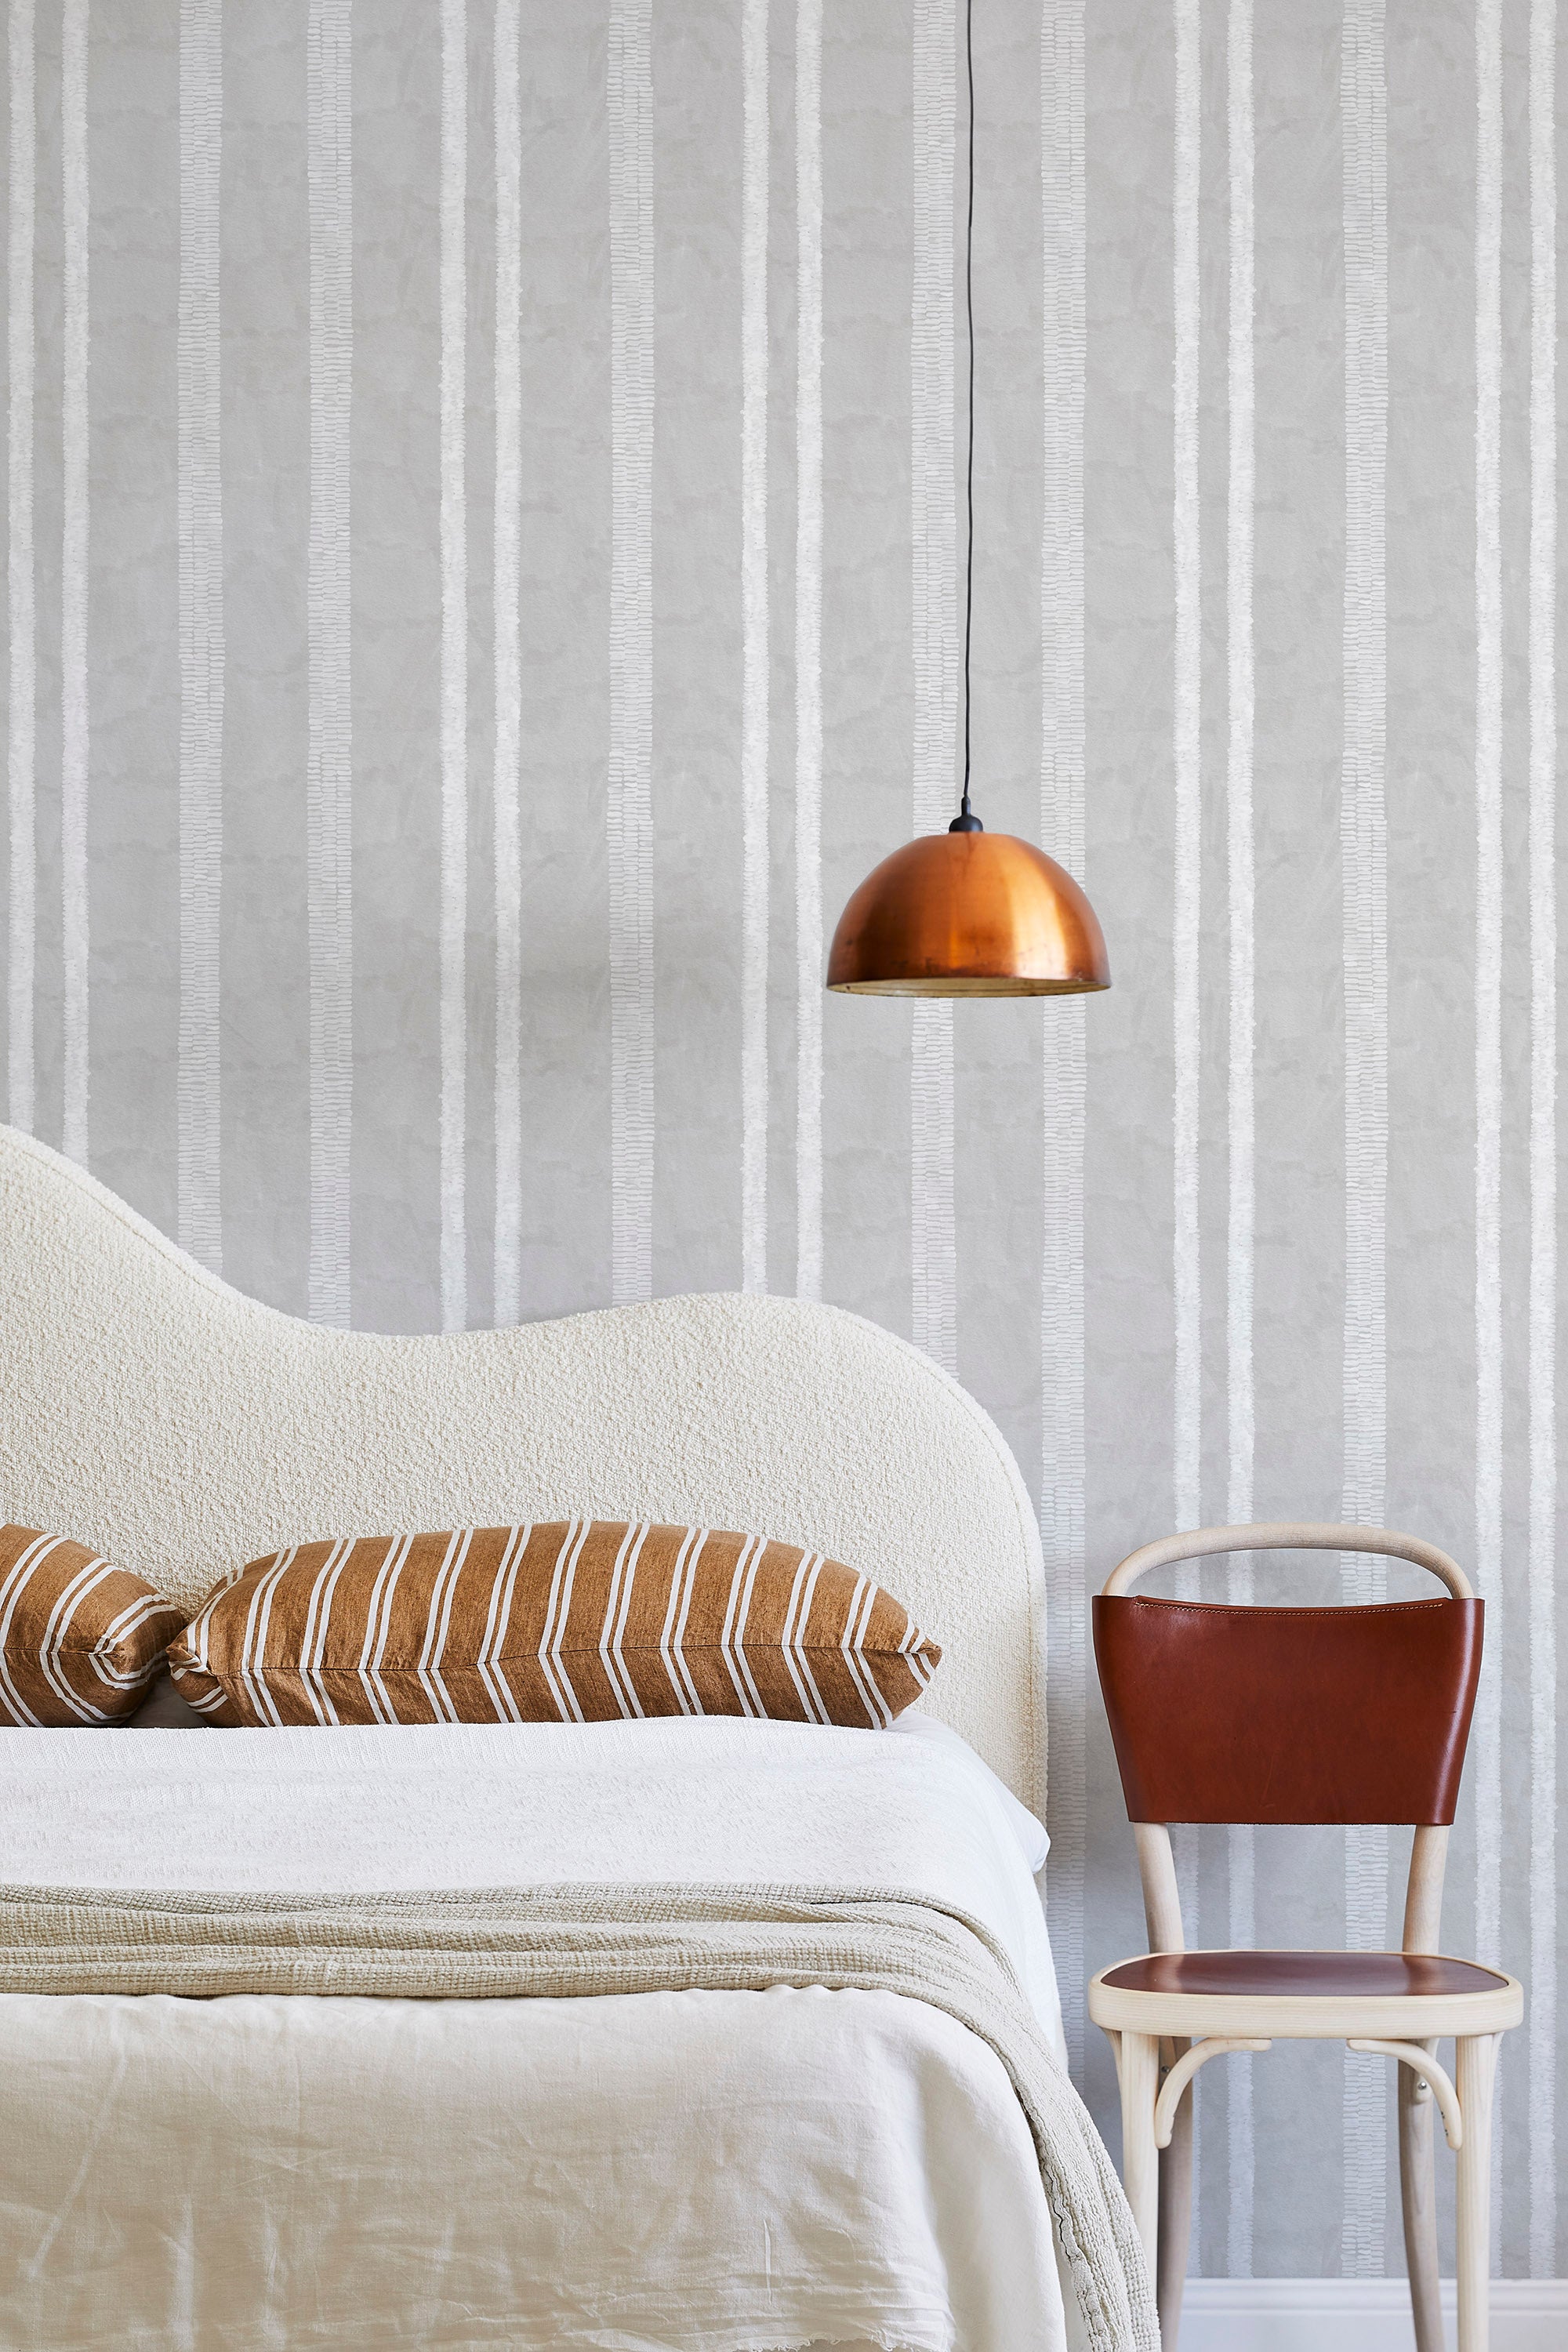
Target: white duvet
x: 694, y: 2173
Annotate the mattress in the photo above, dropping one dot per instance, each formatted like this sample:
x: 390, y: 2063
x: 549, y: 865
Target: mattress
x: 694, y: 2172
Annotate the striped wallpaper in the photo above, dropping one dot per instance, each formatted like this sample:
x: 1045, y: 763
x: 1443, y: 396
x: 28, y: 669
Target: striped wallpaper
x: 481, y: 497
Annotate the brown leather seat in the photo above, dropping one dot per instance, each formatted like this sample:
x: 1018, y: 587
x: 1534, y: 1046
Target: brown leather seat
x: 1343, y: 1976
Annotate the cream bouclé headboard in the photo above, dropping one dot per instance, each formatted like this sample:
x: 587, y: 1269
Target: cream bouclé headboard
x: 181, y: 1428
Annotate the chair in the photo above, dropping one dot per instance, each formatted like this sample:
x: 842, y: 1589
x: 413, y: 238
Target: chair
x: 1339, y: 1714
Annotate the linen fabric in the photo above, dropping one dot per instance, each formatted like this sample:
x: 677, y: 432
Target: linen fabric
x: 701, y: 2169
x: 578, y: 1620
x: 654, y: 2172
x: 577, y: 1942
x: 79, y: 1639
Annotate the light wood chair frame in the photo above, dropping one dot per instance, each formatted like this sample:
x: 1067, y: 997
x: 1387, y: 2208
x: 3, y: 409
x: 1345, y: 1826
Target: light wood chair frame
x: 1160, y: 2042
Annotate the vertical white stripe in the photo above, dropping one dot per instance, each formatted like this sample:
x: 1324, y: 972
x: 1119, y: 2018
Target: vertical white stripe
x: 317, y: 1624
x: 73, y: 579
x: 612, y: 1639
x: 1241, y: 1205
x: 630, y: 804
x: 21, y: 733
x: 1364, y: 106
x: 808, y: 649
x: 378, y: 1625
x: 682, y: 1584
x: 253, y: 1652
x: 453, y: 663
x: 797, y: 1618
x: 935, y: 610
x: 1062, y: 1467
x: 330, y: 790
x: 1187, y: 771
x: 1240, y: 509
x: 438, y: 1624
x: 1544, y: 2007
x: 1187, y: 758
x: 733, y: 1633
x: 492, y: 1669
x: 1489, y: 961
x: 754, y: 648
x: 199, y: 1074
x: 557, y: 1616
x: 508, y: 844
x: 1488, y: 1004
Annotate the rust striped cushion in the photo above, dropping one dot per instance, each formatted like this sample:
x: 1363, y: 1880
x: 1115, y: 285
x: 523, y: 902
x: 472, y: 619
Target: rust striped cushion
x: 79, y: 1639
x: 578, y: 1620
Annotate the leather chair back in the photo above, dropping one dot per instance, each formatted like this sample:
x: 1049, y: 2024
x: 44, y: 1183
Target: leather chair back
x: 1227, y: 1714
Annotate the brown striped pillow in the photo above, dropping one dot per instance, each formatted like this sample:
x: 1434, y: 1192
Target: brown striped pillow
x: 580, y: 1620
x: 79, y: 1639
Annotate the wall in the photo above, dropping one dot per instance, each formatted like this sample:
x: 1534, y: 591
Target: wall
x: 481, y: 516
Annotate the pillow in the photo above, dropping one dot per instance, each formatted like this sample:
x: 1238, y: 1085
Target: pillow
x: 80, y: 1640
x: 578, y: 1620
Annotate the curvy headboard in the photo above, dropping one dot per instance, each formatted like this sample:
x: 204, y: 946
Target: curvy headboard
x: 182, y: 1428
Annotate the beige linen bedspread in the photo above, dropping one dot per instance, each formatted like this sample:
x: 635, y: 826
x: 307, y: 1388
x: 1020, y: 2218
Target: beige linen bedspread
x: 554, y: 1942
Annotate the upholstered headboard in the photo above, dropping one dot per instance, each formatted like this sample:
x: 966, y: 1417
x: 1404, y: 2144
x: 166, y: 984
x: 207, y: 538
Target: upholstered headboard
x: 182, y: 1428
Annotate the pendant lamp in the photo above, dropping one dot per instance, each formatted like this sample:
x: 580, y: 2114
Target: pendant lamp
x: 967, y: 912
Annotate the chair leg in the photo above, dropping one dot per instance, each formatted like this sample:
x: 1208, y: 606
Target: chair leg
x: 1139, y: 2156
x: 1475, y: 2071
x: 1176, y: 2223
x: 1417, y: 2194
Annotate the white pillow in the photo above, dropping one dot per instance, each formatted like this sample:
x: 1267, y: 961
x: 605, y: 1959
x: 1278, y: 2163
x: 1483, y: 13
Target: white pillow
x: 1031, y: 1835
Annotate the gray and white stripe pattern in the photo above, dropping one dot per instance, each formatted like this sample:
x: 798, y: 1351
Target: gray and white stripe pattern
x: 199, y: 1105
x: 74, y: 718
x: 808, y: 649
x: 755, y: 666
x: 21, y: 738
x: 1241, y: 1205
x: 176, y: 660
x: 507, y: 739
x: 1063, y: 1469
x: 933, y: 1240
x: 330, y: 781
x: 1544, y: 2022
x: 1364, y: 102
x: 454, y: 664
x: 630, y: 805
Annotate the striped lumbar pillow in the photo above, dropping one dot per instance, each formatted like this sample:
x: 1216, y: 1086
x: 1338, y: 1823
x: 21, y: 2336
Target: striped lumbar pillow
x: 578, y: 1620
x: 80, y: 1640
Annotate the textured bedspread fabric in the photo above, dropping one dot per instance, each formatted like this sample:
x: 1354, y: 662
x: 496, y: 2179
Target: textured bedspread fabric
x: 690, y: 2171
x: 689, y: 1799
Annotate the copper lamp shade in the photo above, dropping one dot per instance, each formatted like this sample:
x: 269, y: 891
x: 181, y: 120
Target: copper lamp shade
x: 968, y: 914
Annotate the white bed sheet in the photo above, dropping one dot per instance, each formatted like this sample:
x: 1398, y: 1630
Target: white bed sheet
x: 694, y: 2173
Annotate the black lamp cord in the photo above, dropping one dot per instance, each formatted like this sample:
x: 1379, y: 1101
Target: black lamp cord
x: 965, y: 821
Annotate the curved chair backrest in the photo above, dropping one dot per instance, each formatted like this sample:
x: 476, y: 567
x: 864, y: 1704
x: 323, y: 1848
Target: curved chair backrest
x: 1335, y: 1714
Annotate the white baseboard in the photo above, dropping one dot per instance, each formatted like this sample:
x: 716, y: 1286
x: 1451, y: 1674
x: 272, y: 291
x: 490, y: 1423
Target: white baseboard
x: 1278, y: 2314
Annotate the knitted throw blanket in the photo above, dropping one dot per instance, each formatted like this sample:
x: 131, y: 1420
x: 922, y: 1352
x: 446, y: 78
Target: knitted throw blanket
x: 553, y: 1942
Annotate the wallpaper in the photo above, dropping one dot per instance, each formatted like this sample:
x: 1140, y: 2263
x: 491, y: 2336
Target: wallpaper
x: 483, y: 504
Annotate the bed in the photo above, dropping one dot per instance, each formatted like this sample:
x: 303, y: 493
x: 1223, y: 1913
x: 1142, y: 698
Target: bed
x: 713, y: 2170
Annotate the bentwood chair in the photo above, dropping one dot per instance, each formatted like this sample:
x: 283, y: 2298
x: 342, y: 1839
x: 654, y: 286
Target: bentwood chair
x: 1339, y: 1714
